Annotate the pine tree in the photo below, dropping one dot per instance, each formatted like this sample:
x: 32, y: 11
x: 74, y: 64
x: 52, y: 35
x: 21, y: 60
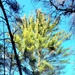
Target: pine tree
x: 40, y: 40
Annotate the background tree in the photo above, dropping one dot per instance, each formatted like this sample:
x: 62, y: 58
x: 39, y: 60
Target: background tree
x: 5, y: 60
x: 60, y: 7
x: 6, y: 17
x: 39, y: 42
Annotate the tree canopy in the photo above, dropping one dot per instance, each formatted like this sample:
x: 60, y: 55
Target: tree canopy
x: 40, y: 41
x: 60, y: 7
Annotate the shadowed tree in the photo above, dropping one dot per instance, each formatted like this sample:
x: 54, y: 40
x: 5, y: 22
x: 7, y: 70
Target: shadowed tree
x: 4, y: 60
x: 7, y: 17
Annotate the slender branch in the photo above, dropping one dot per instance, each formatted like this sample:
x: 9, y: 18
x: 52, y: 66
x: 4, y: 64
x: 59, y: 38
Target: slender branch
x: 2, y: 18
x: 2, y: 33
x: 2, y: 22
x: 5, y: 39
x: 11, y: 36
x: 61, y: 9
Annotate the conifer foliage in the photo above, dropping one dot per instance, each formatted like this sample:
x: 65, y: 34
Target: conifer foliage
x: 39, y: 40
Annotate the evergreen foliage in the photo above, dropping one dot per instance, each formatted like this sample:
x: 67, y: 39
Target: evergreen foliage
x: 40, y: 40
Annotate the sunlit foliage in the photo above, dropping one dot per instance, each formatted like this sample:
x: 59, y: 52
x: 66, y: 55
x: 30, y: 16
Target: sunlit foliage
x: 40, y: 40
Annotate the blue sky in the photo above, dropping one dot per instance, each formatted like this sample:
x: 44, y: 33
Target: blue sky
x: 31, y: 7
